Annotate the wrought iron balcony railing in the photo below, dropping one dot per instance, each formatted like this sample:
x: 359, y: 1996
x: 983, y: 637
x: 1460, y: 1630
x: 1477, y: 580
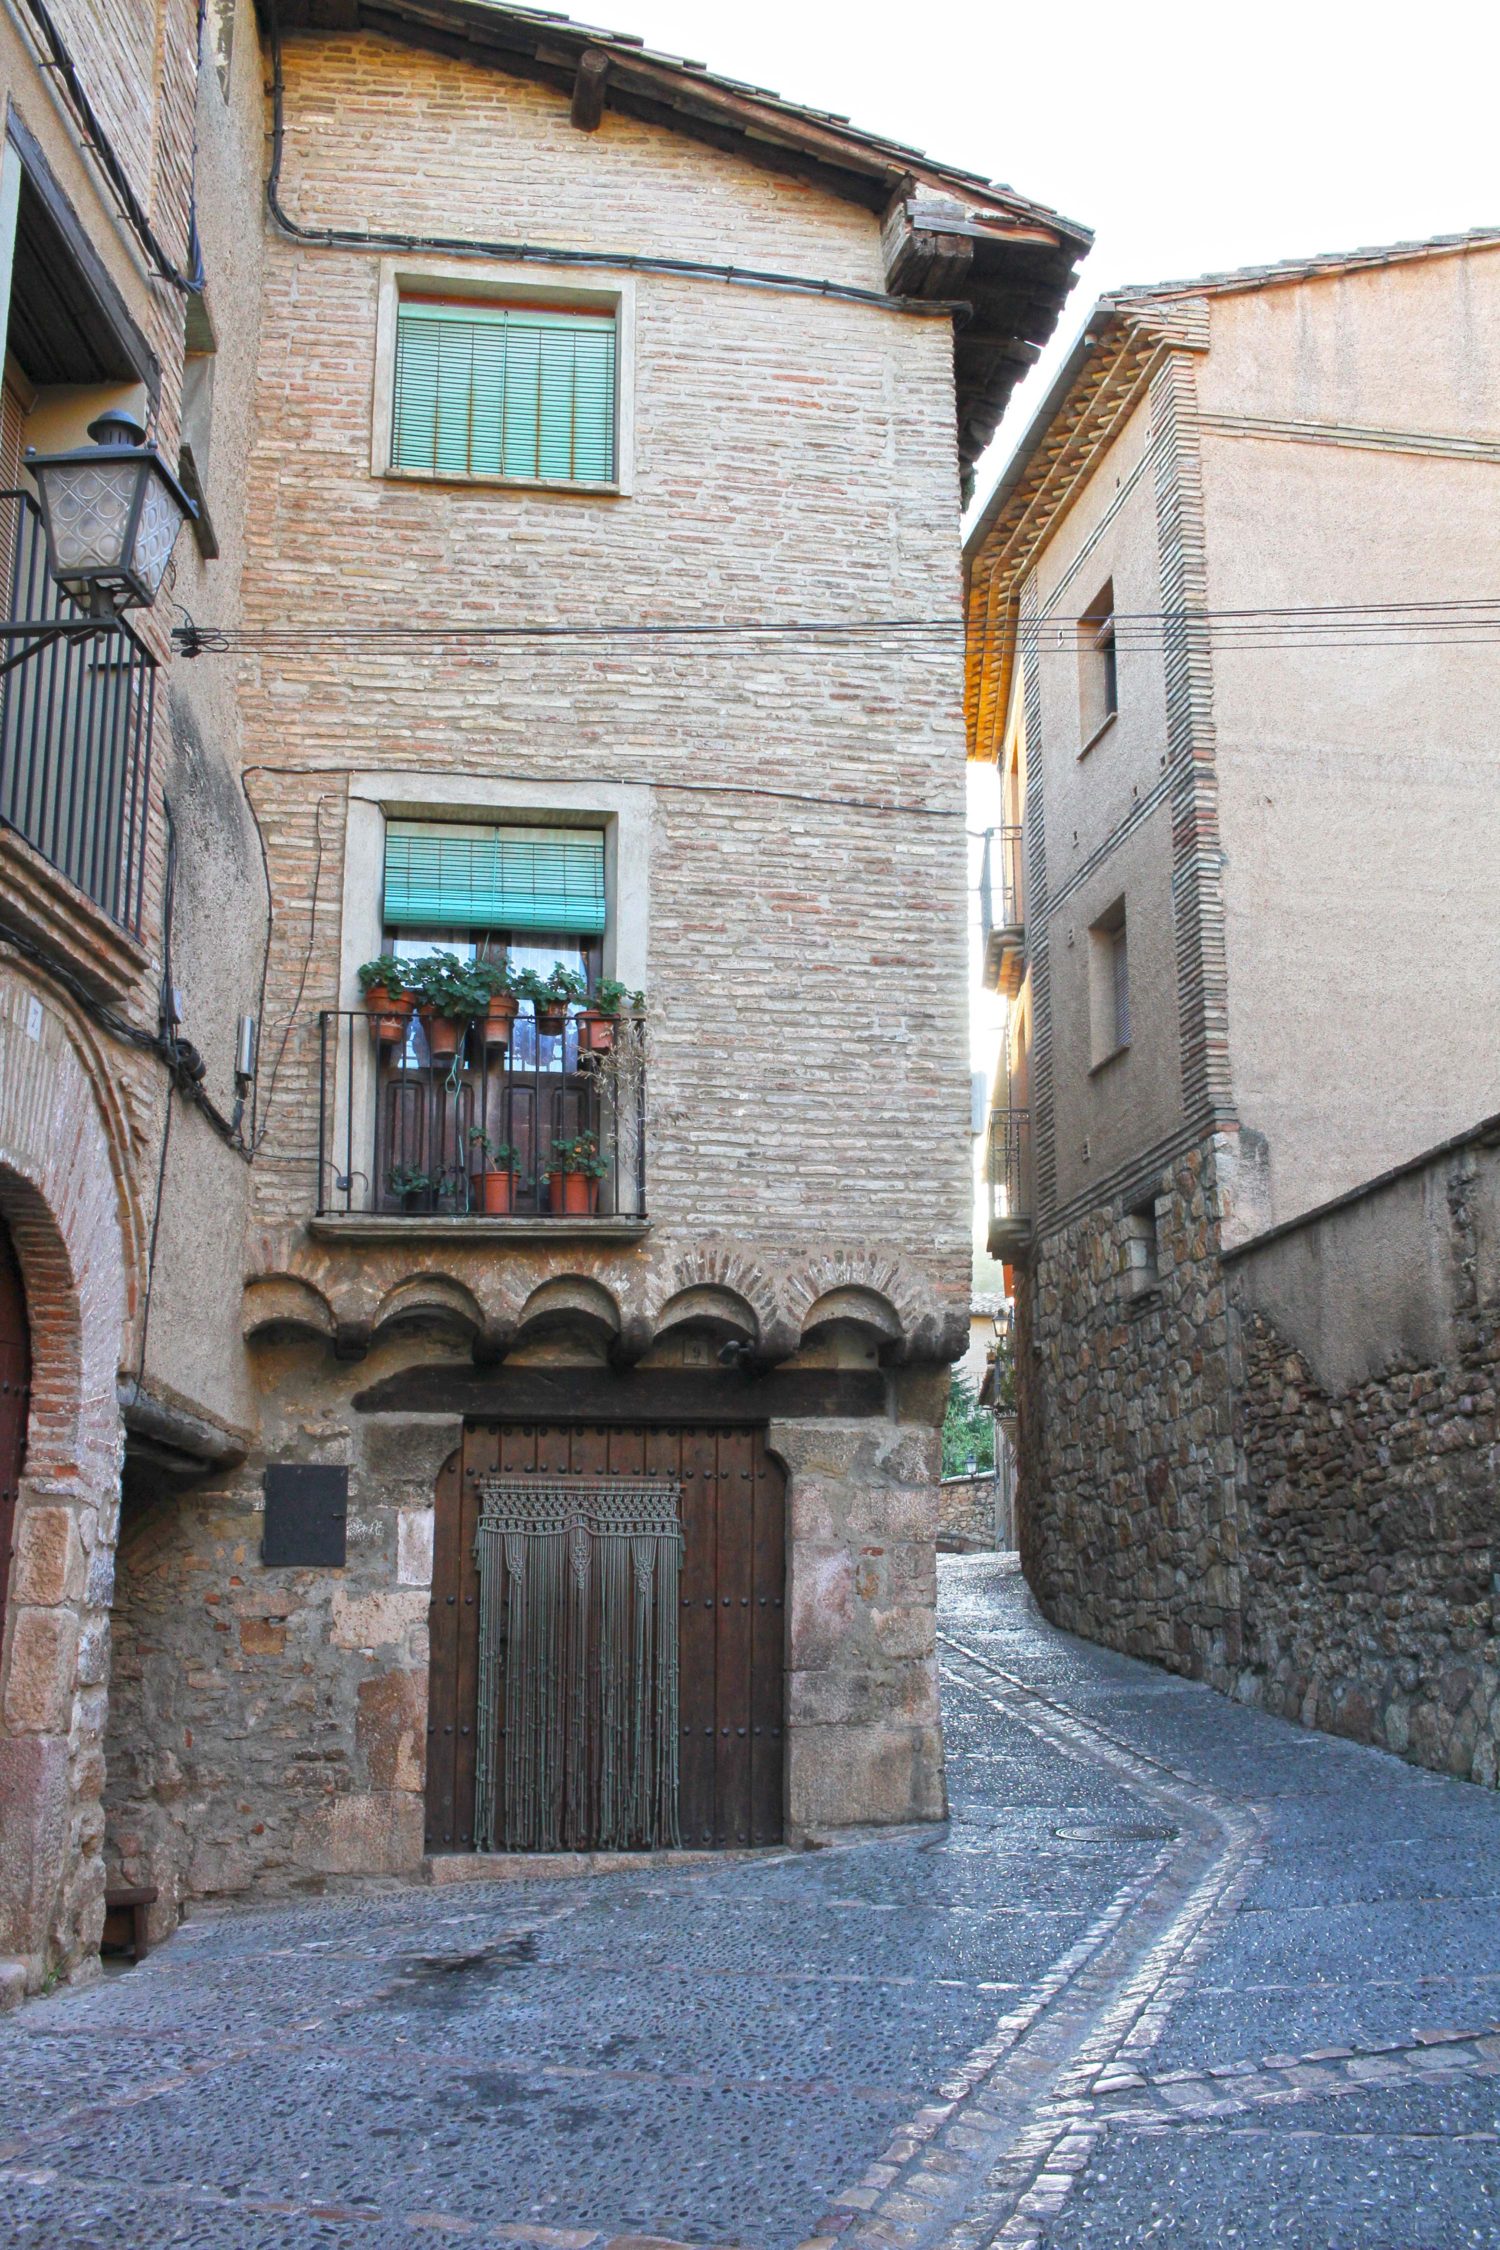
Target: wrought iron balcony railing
x: 1001, y: 906
x: 532, y: 1128
x: 1009, y: 1181
x: 75, y: 726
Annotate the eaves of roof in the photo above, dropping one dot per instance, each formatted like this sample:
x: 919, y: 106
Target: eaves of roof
x: 1006, y: 263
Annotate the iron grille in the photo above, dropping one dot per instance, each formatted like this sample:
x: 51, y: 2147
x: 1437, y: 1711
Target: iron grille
x: 75, y: 729
x: 1009, y: 1183
x: 1000, y: 896
x: 401, y: 1135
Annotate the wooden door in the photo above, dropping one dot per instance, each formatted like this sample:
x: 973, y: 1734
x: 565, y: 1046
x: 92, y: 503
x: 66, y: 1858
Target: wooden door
x: 732, y: 1622
x: 15, y: 1391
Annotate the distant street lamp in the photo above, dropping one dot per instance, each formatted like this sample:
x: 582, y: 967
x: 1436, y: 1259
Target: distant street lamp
x: 112, y: 511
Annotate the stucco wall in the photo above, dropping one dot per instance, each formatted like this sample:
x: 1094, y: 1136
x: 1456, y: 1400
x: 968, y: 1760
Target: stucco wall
x: 1351, y: 457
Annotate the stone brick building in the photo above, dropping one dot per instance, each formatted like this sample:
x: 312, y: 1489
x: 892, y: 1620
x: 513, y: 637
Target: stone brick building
x: 1225, y: 648
x: 127, y: 862
x: 527, y: 328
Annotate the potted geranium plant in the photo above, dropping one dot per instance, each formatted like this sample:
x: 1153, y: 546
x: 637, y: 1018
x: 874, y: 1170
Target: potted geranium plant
x: 450, y: 994
x: 552, y: 996
x: 597, y: 1024
x: 409, y: 1186
x: 574, y: 1175
x: 387, y: 997
x: 502, y: 1006
x: 497, y: 1181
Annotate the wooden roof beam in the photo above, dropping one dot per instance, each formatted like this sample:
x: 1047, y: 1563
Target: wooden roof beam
x: 590, y: 87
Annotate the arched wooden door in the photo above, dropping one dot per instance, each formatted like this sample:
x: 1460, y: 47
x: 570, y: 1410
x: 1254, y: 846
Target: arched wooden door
x: 15, y: 1393
x: 730, y: 1609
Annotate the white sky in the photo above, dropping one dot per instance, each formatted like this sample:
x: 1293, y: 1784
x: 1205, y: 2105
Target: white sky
x: 1189, y: 135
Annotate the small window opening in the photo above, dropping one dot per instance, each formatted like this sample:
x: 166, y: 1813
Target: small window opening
x: 1141, y: 1258
x: 1109, y: 984
x: 1098, y: 680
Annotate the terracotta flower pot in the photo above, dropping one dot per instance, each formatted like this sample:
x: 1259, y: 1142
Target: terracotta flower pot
x: 596, y: 1033
x: 445, y: 1035
x: 573, y: 1195
x: 390, y: 1014
x: 551, y: 1023
x: 497, y: 1194
x: 498, y: 1018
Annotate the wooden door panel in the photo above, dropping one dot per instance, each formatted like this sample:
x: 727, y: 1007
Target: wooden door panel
x: 731, y: 1617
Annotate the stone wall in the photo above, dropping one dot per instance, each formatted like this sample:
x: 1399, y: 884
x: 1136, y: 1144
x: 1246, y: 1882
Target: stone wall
x: 1128, y: 1529
x: 1276, y: 1470
x: 268, y: 1726
x: 966, y: 1513
x: 1371, y: 1444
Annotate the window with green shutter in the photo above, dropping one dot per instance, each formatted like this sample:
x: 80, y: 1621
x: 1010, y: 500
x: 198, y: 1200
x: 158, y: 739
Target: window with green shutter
x: 442, y: 876
x: 504, y: 391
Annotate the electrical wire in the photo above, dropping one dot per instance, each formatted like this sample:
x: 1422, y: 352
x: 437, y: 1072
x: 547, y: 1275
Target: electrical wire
x: 100, y: 147
x: 1474, y: 622
x: 524, y: 253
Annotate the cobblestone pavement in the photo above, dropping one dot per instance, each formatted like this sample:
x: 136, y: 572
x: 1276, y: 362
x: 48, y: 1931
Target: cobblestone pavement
x: 1175, y: 1974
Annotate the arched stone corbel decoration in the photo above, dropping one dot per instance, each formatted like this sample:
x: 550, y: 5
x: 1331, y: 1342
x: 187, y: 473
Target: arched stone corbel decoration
x: 865, y: 1310
x: 278, y: 1306
x: 724, y: 1312
x: 431, y: 1301
x: 570, y: 1310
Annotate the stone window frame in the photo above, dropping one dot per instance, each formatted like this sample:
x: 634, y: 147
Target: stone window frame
x: 540, y: 285
x: 1140, y: 1243
x: 625, y: 814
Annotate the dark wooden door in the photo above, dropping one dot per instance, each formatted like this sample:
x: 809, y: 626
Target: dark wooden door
x: 15, y: 1392
x: 732, y: 1620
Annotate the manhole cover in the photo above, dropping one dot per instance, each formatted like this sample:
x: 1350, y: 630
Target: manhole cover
x: 1101, y: 1832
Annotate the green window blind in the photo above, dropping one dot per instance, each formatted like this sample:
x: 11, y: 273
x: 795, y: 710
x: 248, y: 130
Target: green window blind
x: 463, y: 878
x: 504, y: 391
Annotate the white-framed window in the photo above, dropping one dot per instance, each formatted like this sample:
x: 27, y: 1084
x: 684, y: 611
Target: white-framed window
x: 483, y: 378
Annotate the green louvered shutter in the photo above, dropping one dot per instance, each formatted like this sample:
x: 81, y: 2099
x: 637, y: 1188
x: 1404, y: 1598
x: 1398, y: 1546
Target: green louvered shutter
x: 503, y: 391
x: 469, y: 878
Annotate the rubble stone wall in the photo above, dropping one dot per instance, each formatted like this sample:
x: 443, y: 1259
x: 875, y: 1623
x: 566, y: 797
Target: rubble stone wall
x: 1275, y: 1470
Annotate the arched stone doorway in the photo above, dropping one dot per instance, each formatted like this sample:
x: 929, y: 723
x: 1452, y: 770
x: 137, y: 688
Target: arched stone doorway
x: 65, y: 1212
x: 15, y: 1396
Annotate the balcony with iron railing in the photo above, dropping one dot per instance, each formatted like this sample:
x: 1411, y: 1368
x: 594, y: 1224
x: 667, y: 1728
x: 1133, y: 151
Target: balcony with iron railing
x: 518, y: 1131
x: 76, y: 704
x: 1001, y: 907
x: 1009, y: 1180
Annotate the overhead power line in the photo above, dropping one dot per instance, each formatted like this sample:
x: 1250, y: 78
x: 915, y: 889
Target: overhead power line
x: 1474, y: 621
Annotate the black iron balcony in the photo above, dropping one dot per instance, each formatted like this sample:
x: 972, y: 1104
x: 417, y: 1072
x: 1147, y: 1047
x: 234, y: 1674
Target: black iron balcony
x: 1001, y: 910
x: 76, y: 704
x: 1009, y: 1182
x: 515, y: 1125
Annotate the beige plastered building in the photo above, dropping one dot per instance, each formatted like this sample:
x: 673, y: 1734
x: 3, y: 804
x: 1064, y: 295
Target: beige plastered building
x: 1244, y: 722
x: 781, y: 344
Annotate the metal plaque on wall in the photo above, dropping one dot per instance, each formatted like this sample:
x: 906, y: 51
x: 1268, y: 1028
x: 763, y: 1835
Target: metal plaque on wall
x: 307, y: 1513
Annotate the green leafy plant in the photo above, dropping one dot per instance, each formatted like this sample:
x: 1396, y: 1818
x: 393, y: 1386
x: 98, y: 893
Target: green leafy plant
x: 610, y: 998
x: 968, y: 1432
x: 501, y: 1156
x: 405, y: 1180
x: 385, y: 969
x: 451, y: 987
x: 580, y: 1155
x: 558, y: 990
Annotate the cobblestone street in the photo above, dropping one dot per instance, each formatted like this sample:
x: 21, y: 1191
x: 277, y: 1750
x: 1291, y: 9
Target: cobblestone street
x: 1176, y: 1973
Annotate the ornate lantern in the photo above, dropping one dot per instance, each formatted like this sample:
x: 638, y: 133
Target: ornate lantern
x: 112, y: 511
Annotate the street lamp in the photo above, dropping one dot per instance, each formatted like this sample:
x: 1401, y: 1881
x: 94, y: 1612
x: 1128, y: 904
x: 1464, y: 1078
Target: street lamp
x: 111, y: 511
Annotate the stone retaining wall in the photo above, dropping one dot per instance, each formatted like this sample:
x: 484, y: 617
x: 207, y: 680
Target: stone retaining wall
x: 1275, y: 1469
